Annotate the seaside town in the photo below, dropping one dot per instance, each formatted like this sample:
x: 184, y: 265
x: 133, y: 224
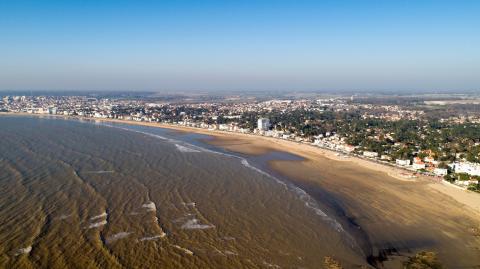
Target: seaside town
x: 438, y: 139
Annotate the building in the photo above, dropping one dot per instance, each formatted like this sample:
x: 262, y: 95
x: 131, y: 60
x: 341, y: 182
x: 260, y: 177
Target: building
x: 440, y: 171
x: 386, y: 157
x: 349, y: 148
x: 470, y: 168
x: 370, y: 154
x: 263, y: 124
x: 402, y: 162
x: 418, y: 166
x: 431, y: 160
x: 418, y: 163
x: 52, y: 110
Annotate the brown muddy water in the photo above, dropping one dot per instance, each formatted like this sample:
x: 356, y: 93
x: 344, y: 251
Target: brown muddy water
x: 84, y: 195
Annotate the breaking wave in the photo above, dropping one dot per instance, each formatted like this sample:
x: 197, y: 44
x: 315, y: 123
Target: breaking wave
x: 150, y: 206
x: 302, y: 194
x: 155, y: 237
x: 185, y: 149
x: 194, y: 225
x: 99, y: 172
x: 97, y: 224
x: 103, y: 215
x: 116, y: 237
x: 25, y: 250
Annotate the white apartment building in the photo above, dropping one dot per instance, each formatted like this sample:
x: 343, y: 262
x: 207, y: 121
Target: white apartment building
x: 402, y: 162
x: 440, y: 171
x: 470, y: 168
x: 418, y: 166
x: 263, y: 124
x: 370, y: 154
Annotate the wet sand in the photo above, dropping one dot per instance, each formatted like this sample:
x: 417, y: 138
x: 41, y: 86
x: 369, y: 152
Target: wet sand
x: 392, y: 215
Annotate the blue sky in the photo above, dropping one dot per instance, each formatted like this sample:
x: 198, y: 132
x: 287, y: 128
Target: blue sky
x: 240, y: 45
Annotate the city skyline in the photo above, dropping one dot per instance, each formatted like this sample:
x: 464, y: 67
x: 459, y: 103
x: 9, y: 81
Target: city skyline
x: 213, y: 45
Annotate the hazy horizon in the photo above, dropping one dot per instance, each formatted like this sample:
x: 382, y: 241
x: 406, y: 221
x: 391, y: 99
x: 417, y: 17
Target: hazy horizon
x: 240, y: 46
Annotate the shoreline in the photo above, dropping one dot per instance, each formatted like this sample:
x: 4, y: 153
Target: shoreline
x: 230, y: 141
x: 390, y: 218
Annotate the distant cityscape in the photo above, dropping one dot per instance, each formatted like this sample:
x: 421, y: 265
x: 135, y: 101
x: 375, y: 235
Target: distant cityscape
x: 437, y: 138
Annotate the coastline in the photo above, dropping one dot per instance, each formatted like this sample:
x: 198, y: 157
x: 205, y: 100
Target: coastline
x: 391, y: 217
x: 256, y: 145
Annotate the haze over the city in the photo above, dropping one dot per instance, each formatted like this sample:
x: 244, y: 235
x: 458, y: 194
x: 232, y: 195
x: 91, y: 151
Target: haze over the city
x: 239, y: 45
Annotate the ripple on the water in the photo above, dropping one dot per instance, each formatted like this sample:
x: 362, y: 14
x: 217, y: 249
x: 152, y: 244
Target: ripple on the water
x: 117, y: 236
x: 150, y: 206
x: 97, y: 224
x: 25, y: 250
x: 186, y: 251
x: 193, y: 224
x: 186, y: 149
x: 154, y: 237
x: 102, y: 215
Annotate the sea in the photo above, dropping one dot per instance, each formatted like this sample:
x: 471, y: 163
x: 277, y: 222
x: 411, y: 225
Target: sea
x: 86, y: 194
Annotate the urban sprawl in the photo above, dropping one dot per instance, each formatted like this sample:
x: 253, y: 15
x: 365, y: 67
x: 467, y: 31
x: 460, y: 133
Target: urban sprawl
x: 440, y: 139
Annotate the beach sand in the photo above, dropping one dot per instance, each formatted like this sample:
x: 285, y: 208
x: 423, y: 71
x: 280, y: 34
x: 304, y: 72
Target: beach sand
x: 392, y: 214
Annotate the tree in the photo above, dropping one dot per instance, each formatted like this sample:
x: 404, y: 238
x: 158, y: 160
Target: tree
x: 449, y: 178
x: 474, y: 187
x: 463, y: 176
x: 442, y: 165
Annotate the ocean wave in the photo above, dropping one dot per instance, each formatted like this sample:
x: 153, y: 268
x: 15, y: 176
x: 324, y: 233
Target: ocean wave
x: 25, y: 250
x: 103, y: 215
x: 193, y: 224
x: 64, y: 217
x: 154, y: 237
x: 309, y: 202
x: 186, y: 251
x: 150, y: 206
x: 99, y: 172
x: 97, y: 224
x: 117, y: 236
x: 185, y: 149
x: 192, y: 204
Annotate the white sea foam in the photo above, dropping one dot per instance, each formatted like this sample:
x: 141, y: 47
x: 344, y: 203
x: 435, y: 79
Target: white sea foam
x: 97, y: 224
x: 64, y: 217
x: 103, y: 215
x: 193, y: 224
x: 185, y: 149
x: 116, y: 237
x: 228, y: 252
x: 270, y: 265
x: 149, y: 238
x: 150, y: 206
x: 192, y: 204
x: 99, y: 172
x: 25, y: 250
x: 187, y: 251
x: 248, y: 165
x: 308, y: 201
x: 303, y: 195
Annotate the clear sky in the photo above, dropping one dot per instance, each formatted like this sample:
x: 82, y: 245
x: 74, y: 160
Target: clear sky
x: 242, y: 44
